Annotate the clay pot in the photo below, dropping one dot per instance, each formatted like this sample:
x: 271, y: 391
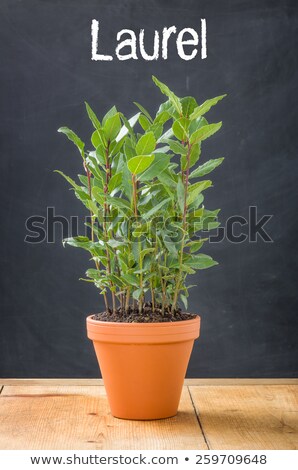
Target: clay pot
x: 143, y: 365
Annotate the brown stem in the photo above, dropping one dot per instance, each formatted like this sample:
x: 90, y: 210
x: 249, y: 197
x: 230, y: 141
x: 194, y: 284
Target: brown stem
x: 152, y: 296
x: 106, y: 211
x: 97, y: 264
x: 135, y: 204
x: 184, y: 226
x: 127, y: 300
x: 106, y: 302
x: 163, y: 297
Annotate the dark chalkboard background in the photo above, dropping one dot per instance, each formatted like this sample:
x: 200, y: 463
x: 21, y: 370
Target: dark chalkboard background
x: 248, y: 303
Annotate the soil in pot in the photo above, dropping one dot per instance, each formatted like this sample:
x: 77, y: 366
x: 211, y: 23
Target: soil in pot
x: 132, y: 315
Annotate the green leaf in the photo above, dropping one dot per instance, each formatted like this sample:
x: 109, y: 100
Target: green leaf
x: 167, y: 179
x: 162, y: 118
x: 69, y: 180
x: 180, y: 128
x: 167, y: 107
x: 146, y: 251
x: 100, y: 155
x: 129, y: 149
x: 181, y: 194
x: 172, y: 97
x: 130, y: 279
x: 211, y: 225
x: 128, y: 127
x: 115, y: 147
x: 93, y: 273
x: 115, y: 279
x: 109, y: 114
x: 98, y: 139
x: 94, y: 168
x: 157, y: 129
x: 137, y: 294
x: 74, y: 138
x: 204, y: 108
x: 120, y: 204
x: 188, y: 105
x: 205, y: 132
x: 187, y: 269
x: 115, y: 182
x: 79, y: 242
x: 83, y: 179
x: 177, y: 147
x: 197, y: 124
x: 197, y: 202
x: 184, y: 300
x: 112, y: 127
x: 146, y: 144
x: 144, y: 122
x: 140, y: 229
x: 98, y: 195
x: 194, y: 154
x: 82, y: 195
x: 156, y: 208
x: 167, y: 135
x: 139, y: 163
x: 196, y: 245
x: 161, y: 162
x: 92, y: 116
x: 126, y: 182
x: 93, y: 207
x: 206, y: 168
x: 200, y: 261
x: 170, y: 245
x: 143, y: 110
x: 196, y: 189
x: 193, y: 158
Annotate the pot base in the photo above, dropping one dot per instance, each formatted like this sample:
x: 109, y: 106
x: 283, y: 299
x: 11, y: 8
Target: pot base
x: 145, y: 419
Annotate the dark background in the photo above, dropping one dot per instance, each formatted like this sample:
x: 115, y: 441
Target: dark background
x: 248, y: 303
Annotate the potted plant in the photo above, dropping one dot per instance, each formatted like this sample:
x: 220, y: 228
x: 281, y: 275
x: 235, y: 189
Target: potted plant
x: 144, y: 194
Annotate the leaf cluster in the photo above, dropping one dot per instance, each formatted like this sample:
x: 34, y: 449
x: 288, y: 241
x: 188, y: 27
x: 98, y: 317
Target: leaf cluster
x: 144, y: 190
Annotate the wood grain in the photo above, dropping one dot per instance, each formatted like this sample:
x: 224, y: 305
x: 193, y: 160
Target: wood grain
x: 254, y: 417
x: 187, y: 382
x: 78, y: 417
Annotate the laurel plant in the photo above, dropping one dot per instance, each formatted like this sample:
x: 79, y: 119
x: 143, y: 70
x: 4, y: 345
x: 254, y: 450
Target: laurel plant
x: 143, y: 189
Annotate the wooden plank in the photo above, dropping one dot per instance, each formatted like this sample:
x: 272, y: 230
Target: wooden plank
x: 235, y: 381
x: 57, y: 417
x: 255, y: 417
x: 53, y: 382
x: 187, y: 382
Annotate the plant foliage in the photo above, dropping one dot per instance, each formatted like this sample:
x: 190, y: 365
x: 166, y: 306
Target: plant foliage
x: 144, y: 193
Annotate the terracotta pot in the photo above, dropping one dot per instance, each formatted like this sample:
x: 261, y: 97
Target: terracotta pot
x: 143, y: 365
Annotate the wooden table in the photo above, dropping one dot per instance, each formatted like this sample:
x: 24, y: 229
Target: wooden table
x: 213, y: 414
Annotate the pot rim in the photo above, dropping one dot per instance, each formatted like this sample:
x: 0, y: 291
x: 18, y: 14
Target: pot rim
x: 120, y: 332
x: 131, y: 325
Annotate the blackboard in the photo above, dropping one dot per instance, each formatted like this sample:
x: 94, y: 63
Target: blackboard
x: 248, y: 303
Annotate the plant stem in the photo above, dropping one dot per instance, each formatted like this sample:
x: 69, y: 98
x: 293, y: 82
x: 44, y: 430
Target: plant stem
x: 97, y: 264
x: 127, y: 300
x: 178, y: 282
x: 152, y: 296
x: 90, y: 194
x: 161, y: 282
x: 135, y: 202
x: 106, y: 302
x: 134, y: 195
x: 106, y: 211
